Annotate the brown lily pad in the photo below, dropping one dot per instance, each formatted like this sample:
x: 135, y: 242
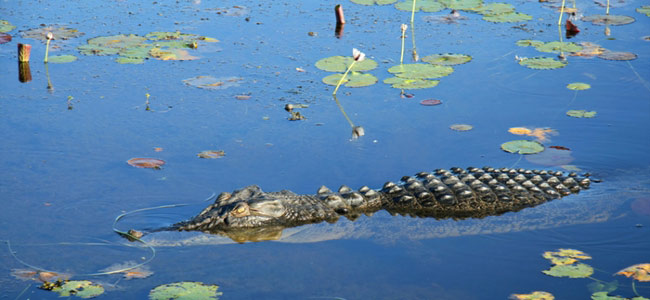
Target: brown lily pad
x: 615, y: 55
x: 608, y: 19
x: 430, y: 102
x: 5, y: 38
x: 146, y: 163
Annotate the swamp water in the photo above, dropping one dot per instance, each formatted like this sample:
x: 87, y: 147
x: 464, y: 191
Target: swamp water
x: 68, y: 132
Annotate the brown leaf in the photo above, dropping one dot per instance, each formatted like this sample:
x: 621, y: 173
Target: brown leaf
x: 144, y: 162
x: 639, y: 272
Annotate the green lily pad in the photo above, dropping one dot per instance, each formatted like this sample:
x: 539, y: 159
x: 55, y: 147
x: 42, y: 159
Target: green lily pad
x: 61, y: 59
x: 341, y: 64
x: 643, y: 10
x: 557, y: 47
x: 420, y: 5
x: 410, y: 84
x: 129, y: 60
x: 494, y: 8
x: 608, y: 19
x: 373, y: 2
x: 353, y: 79
x: 522, y: 147
x: 526, y: 43
x: 171, y: 54
x: 111, y: 45
x: 5, y: 26
x: 461, y: 4
x: 536, y: 295
x: 512, y: 17
x: 461, y: 127
x: 606, y: 287
x: 581, y: 113
x: 212, y: 83
x: 58, y: 33
x: 447, y: 59
x: 542, y: 63
x: 578, y: 86
x: 572, y: 271
x: 167, y: 36
x: 80, y: 288
x: 184, y: 291
x: 420, y: 71
x: 616, y: 55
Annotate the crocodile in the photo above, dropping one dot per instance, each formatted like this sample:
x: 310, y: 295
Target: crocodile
x: 443, y: 194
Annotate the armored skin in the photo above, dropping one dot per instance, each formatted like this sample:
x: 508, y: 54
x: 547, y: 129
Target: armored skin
x: 456, y: 193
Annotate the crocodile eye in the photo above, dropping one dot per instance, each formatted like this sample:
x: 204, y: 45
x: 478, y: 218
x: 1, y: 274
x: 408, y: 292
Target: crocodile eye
x: 240, y: 210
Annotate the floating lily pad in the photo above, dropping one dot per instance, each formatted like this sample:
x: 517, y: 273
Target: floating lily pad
x: 605, y: 296
x: 447, y: 59
x: 145, y: 162
x: 578, y: 86
x: 111, y: 45
x: 410, y: 84
x: 60, y: 59
x: 171, y: 54
x: 526, y: 43
x: 342, y: 63
x: 129, y: 60
x: 512, y: 17
x: 608, y: 19
x: 494, y: 8
x: 581, y: 113
x: 184, y: 290
x: 461, y: 127
x: 565, y: 256
x: 212, y: 83
x: 5, y: 26
x: 640, y: 272
x: 211, y: 154
x: 80, y: 288
x: 556, y: 47
x: 430, y: 102
x: 58, y: 33
x: 615, y: 55
x: 373, y: 2
x: 5, y: 38
x: 522, y: 147
x: 542, y: 63
x: 353, y: 79
x: 420, y: 5
x: 571, y: 271
x: 461, y: 4
x: 129, y: 269
x: 536, y: 295
x: 589, y: 50
x: 644, y: 10
x: 420, y: 71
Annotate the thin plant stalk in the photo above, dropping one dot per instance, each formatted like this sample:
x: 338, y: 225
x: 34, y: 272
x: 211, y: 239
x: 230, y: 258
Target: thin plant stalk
x: 343, y: 77
x: 559, y: 31
x: 415, y: 51
x: 47, y: 46
x: 607, y: 11
x: 413, y: 11
x: 401, y: 57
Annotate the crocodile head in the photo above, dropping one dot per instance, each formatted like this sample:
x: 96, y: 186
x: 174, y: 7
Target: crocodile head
x: 250, y: 207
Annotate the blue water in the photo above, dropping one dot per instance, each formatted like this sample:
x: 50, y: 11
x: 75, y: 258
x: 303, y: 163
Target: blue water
x: 64, y: 177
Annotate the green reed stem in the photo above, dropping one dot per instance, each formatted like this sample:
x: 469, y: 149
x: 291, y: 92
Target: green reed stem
x: 413, y: 11
x: 401, y: 57
x: 47, y: 50
x: 343, y: 77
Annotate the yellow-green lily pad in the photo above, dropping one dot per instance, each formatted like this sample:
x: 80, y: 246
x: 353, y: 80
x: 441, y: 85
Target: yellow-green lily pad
x: 556, y: 47
x: 373, y: 2
x: 494, y: 8
x: 522, y: 147
x: 171, y: 54
x: 461, y: 4
x: 420, y: 5
x: 605, y: 296
x: 80, y: 288
x: 342, y: 63
x: 61, y: 59
x: 185, y: 291
x: 461, y: 127
x: 511, y: 17
x: 5, y: 26
x: 58, y: 33
x: 129, y: 60
x: 581, y: 113
x: 110, y: 45
x: 578, y: 86
x: 608, y: 19
x: 420, y: 71
x: 644, y: 10
x: 353, y: 79
x: 571, y: 271
x: 447, y: 59
x: 542, y: 63
x: 526, y: 43
x: 536, y: 295
x: 410, y: 84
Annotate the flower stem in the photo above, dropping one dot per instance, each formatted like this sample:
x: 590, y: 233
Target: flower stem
x: 343, y: 77
x: 413, y: 11
x: 559, y: 21
x: 401, y: 57
x: 47, y: 50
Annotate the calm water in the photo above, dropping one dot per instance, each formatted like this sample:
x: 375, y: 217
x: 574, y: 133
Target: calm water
x: 64, y: 177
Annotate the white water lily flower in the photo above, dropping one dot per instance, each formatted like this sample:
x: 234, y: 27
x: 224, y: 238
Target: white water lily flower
x: 49, y: 36
x: 404, y: 27
x: 358, y: 55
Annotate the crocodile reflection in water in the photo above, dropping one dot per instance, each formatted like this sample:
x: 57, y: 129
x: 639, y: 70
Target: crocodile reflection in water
x: 251, y: 214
